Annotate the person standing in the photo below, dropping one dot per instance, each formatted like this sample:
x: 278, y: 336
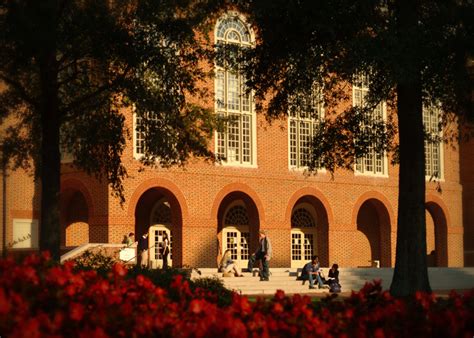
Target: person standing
x: 143, y: 250
x: 165, y: 250
x: 263, y: 254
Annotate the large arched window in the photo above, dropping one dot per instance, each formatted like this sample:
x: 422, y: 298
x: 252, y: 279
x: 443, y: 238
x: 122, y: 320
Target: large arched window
x: 236, y: 144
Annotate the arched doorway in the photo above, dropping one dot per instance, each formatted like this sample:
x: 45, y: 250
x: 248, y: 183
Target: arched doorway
x: 436, y: 236
x: 75, y: 218
x: 309, y: 231
x: 236, y: 232
x: 157, y: 212
x: 238, y: 226
x: 160, y: 223
x: 374, y: 222
x: 303, y: 234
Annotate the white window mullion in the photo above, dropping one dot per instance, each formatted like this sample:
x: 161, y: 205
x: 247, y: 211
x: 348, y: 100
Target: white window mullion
x: 238, y: 145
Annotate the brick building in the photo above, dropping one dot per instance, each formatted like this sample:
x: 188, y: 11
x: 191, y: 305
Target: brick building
x: 349, y: 218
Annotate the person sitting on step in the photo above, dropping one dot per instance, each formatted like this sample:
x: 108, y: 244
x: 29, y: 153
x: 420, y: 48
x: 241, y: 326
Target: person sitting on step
x: 227, y: 264
x: 312, y: 271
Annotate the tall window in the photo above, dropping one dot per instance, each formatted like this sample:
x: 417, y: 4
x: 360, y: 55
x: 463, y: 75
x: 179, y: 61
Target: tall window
x: 432, y: 125
x: 303, y: 117
x: 373, y: 162
x: 235, y: 144
x: 141, y: 132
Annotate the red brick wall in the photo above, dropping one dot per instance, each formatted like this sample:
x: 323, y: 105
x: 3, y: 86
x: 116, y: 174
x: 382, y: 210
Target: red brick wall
x: 199, y: 191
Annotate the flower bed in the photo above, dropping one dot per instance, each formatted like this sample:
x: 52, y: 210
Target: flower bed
x: 39, y: 298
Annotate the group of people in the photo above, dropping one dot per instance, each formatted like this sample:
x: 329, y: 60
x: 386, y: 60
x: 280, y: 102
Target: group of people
x: 142, y: 248
x: 311, y: 271
x: 262, y: 254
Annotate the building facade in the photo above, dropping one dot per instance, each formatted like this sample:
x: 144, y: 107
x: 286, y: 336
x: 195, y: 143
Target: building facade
x: 262, y: 183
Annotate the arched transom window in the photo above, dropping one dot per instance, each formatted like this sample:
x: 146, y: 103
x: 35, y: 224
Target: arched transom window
x: 236, y: 144
x: 233, y: 29
x: 302, y: 218
x: 161, y: 213
x: 236, y: 216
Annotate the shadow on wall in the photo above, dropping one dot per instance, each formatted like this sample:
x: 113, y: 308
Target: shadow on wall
x: 374, y: 222
x: 84, y: 206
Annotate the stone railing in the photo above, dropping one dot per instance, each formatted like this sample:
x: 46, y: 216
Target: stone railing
x: 117, y: 251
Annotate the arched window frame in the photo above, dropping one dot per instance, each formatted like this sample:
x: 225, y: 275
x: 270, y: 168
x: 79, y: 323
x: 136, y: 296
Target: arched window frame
x: 237, y: 145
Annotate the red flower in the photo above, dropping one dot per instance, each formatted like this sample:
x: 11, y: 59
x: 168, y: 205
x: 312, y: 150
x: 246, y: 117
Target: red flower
x: 277, y: 308
x: 4, y: 303
x: 76, y: 311
x: 197, y: 305
x: 57, y: 276
x: 93, y: 333
x: 119, y: 270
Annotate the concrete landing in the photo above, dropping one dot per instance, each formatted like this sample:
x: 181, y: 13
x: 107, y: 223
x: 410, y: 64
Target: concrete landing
x: 351, y: 279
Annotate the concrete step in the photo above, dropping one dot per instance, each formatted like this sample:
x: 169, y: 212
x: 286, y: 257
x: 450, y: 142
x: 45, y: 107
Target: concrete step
x: 350, y: 279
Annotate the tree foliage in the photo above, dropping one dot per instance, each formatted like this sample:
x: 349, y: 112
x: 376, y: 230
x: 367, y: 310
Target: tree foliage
x: 416, y: 53
x: 70, y: 69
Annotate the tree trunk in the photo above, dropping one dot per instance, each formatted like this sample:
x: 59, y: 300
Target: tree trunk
x: 411, y: 272
x: 50, y: 231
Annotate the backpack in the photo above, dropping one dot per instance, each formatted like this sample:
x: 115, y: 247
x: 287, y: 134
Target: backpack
x: 334, y: 287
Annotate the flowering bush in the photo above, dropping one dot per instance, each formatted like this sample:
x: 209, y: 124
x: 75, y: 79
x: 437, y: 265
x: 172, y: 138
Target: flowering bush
x: 39, y: 298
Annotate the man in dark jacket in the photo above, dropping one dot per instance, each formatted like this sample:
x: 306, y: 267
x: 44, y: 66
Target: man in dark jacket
x: 263, y: 253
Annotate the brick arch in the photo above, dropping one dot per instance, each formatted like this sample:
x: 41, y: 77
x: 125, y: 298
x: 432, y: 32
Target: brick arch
x: 158, y: 183
x: 145, y: 198
x: 321, y: 205
x: 77, y: 185
x: 308, y: 191
x: 374, y: 206
x: 237, y: 187
x: 439, y: 212
x: 76, y: 208
x: 375, y: 195
x: 431, y: 198
x: 224, y: 198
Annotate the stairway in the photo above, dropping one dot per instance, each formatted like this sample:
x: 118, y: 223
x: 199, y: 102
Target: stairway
x: 350, y: 279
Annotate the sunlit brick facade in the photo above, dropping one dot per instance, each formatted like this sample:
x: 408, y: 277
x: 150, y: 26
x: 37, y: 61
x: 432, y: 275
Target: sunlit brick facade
x: 349, y: 218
